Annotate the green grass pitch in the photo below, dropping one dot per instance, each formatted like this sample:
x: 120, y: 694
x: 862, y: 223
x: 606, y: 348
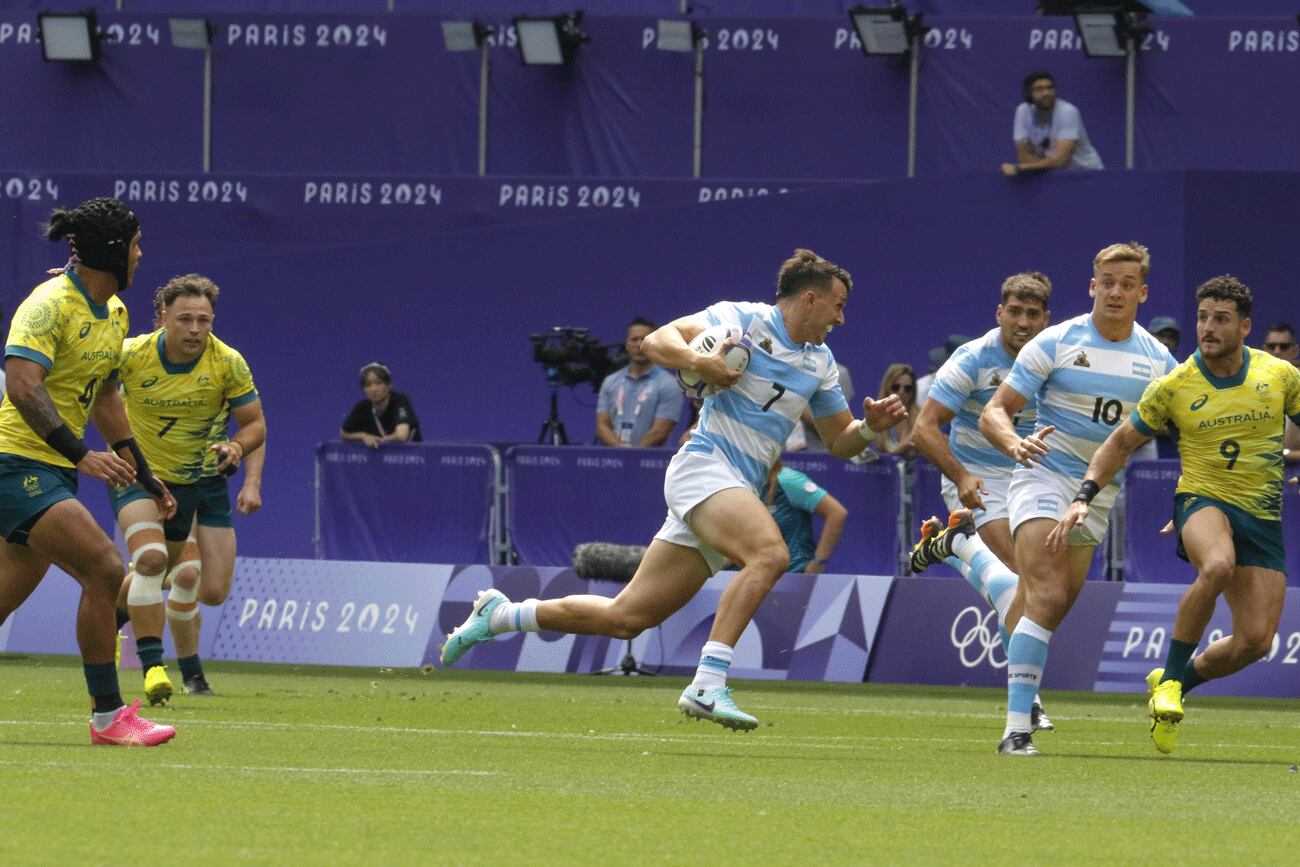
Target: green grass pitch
x: 314, y: 765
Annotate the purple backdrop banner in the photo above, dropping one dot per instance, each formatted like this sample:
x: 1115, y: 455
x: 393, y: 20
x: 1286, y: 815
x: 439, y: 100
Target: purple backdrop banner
x: 1138, y: 641
x: 322, y: 92
x: 936, y: 630
x: 809, y: 628
x: 405, y: 502
x: 560, y: 496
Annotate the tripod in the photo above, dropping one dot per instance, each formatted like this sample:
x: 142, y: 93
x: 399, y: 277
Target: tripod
x: 628, y: 666
x: 553, y: 428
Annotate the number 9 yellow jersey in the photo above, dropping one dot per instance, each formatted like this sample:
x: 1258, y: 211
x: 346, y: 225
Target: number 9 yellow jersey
x: 1230, y: 430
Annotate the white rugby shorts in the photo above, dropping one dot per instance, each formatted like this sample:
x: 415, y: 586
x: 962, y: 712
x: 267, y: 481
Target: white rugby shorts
x: 692, y: 478
x: 1040, y: 493
x: 995, y: 501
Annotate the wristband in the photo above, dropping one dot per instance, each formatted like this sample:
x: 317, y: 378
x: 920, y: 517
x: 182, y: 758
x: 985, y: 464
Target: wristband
x: 1087, y: 491
x: 66, y: 443
x: 144, y: 476
x: 865, y: 431
x: 820, y: 561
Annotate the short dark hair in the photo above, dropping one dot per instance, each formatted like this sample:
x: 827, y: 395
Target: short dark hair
x: 1036, y: 75
x: 641, y: 320
x: 379, y: 370
x: 1225, y: 287
x: 195, y: 285
x: 1282, y: 326
x: 1031, y: 287
x: 806, y: 270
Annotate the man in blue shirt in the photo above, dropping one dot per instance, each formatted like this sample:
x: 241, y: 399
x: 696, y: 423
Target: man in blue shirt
x: 1049, y: 132
x: 640, y: 403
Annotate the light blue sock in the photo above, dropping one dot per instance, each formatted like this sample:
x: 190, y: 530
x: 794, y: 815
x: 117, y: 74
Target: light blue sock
x: 1026, y: 657
x: 715, y: 661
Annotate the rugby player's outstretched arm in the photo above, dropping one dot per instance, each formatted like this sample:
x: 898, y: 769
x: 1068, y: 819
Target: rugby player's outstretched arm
x: 1110, y: 458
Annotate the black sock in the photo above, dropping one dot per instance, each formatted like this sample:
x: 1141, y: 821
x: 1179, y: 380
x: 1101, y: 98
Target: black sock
x: 101, y: 681
x: 151, y: 651
x: 191, y: 667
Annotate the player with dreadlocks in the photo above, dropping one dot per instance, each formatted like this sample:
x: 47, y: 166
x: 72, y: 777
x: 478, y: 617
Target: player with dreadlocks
x: 61, y: 363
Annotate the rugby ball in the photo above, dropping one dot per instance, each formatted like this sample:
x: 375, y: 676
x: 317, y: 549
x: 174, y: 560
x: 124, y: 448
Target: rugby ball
x: 707, y: 343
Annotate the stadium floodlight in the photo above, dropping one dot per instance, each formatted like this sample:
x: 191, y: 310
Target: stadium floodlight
x: 890, y: 32
x: 882, y: 30
x: 196, y: 33
x: 69, y: 36
x: 686, y: 36
x: 1116, y: 30
x: 474, y: 36
x: 549, y: 40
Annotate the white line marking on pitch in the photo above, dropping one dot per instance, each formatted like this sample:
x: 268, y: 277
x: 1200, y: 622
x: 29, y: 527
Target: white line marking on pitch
x: 277, y: 769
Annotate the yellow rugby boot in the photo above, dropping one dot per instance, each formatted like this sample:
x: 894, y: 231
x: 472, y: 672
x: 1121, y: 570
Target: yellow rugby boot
x: 1166, y: 709
x: 157, y: 685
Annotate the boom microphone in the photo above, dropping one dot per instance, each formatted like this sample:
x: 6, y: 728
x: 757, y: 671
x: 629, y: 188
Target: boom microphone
x: 605, y: 561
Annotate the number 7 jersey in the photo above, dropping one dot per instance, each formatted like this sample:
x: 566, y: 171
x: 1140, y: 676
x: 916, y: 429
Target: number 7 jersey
x: 1085, y: 386
x: 1230, y: 430
x: 178, y: 410
x: 78, y: 342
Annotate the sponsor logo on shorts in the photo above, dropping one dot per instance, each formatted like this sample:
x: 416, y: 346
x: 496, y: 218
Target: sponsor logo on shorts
x: 32, y: 486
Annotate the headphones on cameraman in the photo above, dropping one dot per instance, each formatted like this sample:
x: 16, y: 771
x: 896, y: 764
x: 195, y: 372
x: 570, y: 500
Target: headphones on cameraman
x: 1028, y: 85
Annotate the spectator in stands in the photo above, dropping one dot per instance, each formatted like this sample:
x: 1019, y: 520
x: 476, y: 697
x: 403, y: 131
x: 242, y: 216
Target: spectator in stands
x: 385, y: 416
x: 1165, y: 329
x: 1281, y: 343
x: 1049, y: 132
x: 899, y: 379
x: 793, y: 499
x: 639, y: 404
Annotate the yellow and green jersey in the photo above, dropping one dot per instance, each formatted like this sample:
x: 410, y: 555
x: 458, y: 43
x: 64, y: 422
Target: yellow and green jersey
x: 178, y: 410
x: 78, y: 342
x: 1230, y: 430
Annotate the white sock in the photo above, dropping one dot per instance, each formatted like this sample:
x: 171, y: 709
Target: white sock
x: 514, y: 617
x: 103, y: 720
x: 715, y: 660
x: 964, y: 546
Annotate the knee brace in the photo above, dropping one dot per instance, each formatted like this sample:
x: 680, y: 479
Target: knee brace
x: 184, y: 595
x: 146, y: 589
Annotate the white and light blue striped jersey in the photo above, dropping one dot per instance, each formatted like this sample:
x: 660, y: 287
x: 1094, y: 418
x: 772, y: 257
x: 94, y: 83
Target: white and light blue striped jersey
x: 1085, y: 385
x: 748, y: 424
x: 964, y: 385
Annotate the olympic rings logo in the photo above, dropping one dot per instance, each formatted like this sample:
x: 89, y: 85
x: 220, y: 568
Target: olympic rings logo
x: 980, y: 637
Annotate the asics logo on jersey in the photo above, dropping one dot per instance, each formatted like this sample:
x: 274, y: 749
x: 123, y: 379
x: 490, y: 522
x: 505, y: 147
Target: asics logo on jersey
x: 148, y: 382
x: 980, y: 638
x: 85, y: 329
x: 1081, y: 360
x: 1199, y: 402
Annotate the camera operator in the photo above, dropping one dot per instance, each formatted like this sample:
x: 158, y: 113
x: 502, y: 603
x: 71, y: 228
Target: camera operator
x: 639, y: 404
